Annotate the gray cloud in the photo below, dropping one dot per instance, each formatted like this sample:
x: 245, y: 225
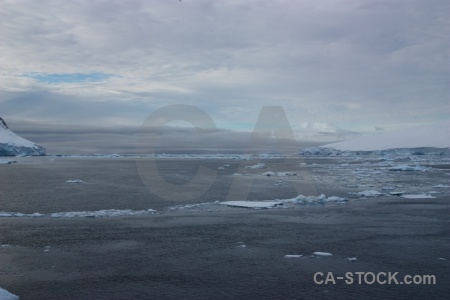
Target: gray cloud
x: 356, y: 64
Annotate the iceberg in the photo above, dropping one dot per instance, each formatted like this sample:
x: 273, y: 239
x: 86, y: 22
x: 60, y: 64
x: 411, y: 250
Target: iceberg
x: 13, y: 145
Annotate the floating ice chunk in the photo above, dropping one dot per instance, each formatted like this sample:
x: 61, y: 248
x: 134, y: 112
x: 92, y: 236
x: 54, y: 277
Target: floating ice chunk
x: 315, y: 199
x: 322, y: 254
x: 7, y: 161
x: 5, y: 295
x: 441, y: 186
x: 397, y: 193
x: 102, y: 213
x: 286, y: 174
x: 351, y: 258
x: 220, y: 168
x: 441, y: 258
x: 257, y: 166
x: 336, y: 199
x: 308, y: 199
x: 407, y: 168
x: 252, y: 204
x: 268, y: 173
x: 293, y: 255
x: 418, y: 196
x: 369, y: 193
x: 75, y: 181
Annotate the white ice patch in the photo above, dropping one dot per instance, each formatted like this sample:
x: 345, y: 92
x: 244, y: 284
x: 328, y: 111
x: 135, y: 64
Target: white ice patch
x: 252, y: 204
x: 7, y: 161
x: 75, y: 181
x: 441, y: 186
x: 418, y: 196
x: 5, y: 295
x: 18, y: 214
x: 322, y: 254
x: 369, y: 193
x: 407, y: 168
x: 102, y: 213
x: 91, y: 214
x: 257, y: 166
x: 293, y: 255
x: 315, y: 199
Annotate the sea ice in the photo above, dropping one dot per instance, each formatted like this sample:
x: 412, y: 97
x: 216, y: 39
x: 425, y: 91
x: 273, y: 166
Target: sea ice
x: 7, y: 161
x: 441, y: 186
x: 418, y: 196
x: 252, y: 204
x: 322, y: 254
x: 5, y: 295
x: 407, y: 168
x: 75, y: 181
x: 257, y: 166
x: 369, y: 193
x: 293, y: 255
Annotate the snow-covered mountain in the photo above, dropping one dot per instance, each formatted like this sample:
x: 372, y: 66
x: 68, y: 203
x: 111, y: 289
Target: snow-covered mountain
x: 429, y: 136
x: 322, y: 132
x: 13, y: 145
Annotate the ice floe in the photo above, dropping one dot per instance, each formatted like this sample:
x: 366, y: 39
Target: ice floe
x: 7, y: 161
x: 102, y: 213
x: 252, y: 204
x: 407, y: 168
x: 5, y: 295
x: 418, y: 196
x: 86, y: 214
x: 318, y: 253
x: 368, y: 193
x: 441, y: 186
x: 257, y: 166
x: 293, y: 255
x: 75, y: 181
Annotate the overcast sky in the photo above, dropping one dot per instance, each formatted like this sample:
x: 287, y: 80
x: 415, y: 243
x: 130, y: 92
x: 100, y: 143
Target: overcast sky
x: 356, y: 64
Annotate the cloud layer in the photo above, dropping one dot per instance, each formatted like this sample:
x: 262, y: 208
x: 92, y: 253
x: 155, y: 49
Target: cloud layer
x: 356, y: 64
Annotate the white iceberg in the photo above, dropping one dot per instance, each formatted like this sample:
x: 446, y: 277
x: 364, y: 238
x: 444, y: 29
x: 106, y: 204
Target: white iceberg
x: 322, y: 254
x: 75, y: 181
x: 13, y: 145
x: 441, y: 186
x: 369, y: 193
x: 418, y: 196
x: 257, y: 166
x: 7, y: 161
x: 407, y: 168
x: 5, y: 295
x: 102, y: 213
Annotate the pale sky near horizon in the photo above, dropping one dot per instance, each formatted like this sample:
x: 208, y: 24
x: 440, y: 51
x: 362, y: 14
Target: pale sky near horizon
x: 357, y: 64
